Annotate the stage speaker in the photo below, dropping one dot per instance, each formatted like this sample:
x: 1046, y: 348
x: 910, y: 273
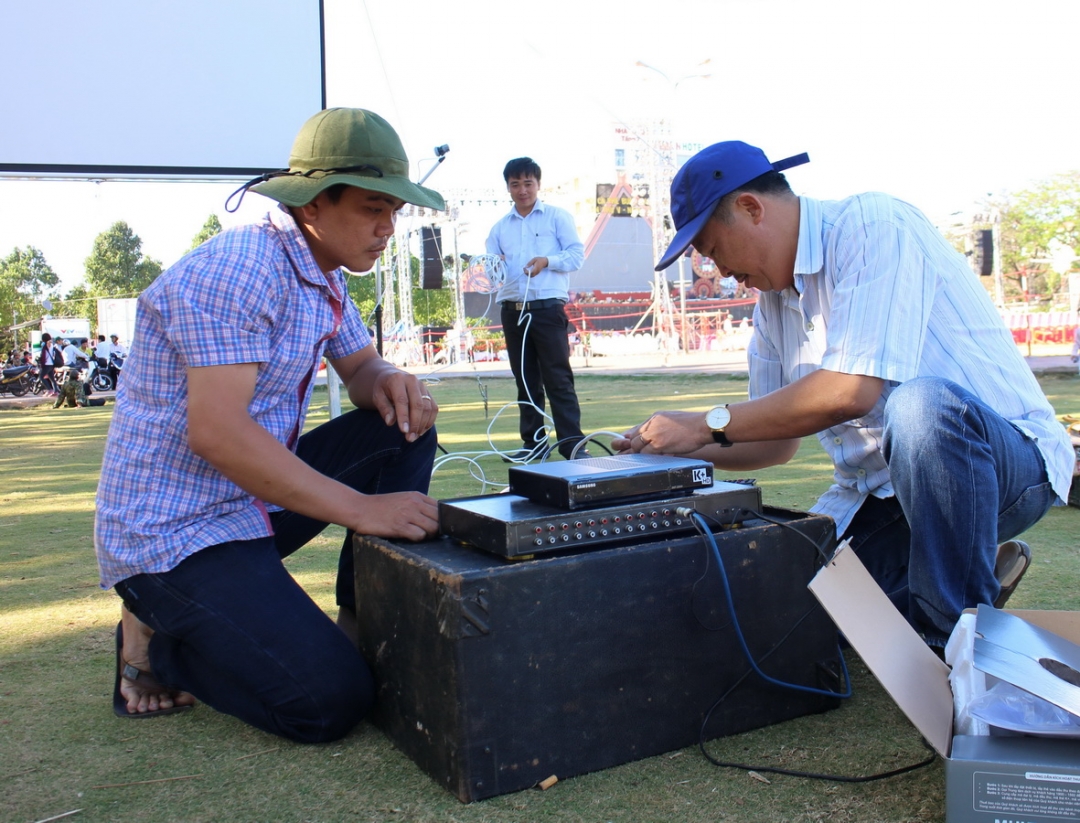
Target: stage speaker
x: 431, y: 271
x: 984, y: 252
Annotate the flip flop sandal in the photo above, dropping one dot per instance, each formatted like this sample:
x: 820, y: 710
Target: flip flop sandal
x: 145, y: 680
x: 1013, y: 559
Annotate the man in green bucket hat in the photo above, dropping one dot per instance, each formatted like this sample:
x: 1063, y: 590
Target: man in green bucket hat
x: 208, y: 480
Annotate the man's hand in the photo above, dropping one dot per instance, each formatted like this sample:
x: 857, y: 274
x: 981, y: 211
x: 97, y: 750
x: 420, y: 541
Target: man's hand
x: 409, y: 515
x: 668, y: 432
x: 535, y: 266
x: 400, y: 398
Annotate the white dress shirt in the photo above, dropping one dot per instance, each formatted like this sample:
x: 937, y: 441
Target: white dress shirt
x: 879, y: 292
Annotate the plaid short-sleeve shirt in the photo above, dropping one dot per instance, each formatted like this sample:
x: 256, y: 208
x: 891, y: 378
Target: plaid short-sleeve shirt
x: 253, y: 294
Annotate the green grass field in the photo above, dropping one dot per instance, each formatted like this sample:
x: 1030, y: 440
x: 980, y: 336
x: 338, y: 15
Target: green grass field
x: 61, y: 748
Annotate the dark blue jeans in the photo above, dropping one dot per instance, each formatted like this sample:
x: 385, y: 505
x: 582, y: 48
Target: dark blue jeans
x: 539, y: 352
x: 965, y: 480
x: 231, y: 625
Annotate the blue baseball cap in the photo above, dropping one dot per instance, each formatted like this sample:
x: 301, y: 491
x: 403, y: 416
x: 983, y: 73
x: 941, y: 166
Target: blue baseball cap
x: 705, y: 178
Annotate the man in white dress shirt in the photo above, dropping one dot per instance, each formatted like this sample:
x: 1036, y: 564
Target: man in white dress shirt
x: 872, y: 333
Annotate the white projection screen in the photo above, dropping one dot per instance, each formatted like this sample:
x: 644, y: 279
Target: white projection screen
x: 176, y: 89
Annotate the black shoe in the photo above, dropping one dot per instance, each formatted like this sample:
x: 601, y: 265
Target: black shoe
x: 581, y: 455
x: 1013, y: 559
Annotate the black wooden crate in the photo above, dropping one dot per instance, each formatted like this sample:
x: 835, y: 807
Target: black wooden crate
x: 494, y: 674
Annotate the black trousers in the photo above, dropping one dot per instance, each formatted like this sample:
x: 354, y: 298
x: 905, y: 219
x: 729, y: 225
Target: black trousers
x: 539, y: 351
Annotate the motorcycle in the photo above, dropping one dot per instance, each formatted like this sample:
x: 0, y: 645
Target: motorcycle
x: 16, y: 380
x: 37, y: 385
x: 97, y: 378
x: 116, y: 365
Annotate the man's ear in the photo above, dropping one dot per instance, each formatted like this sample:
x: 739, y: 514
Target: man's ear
x: 308, y: 213
x: 752, y: 205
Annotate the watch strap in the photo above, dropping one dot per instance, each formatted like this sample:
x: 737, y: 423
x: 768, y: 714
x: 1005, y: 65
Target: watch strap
x: 721, y: 438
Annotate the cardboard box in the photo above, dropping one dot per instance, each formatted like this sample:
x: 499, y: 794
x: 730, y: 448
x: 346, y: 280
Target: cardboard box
x: 987, y: 779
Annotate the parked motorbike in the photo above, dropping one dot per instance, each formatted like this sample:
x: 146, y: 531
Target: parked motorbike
x: 116, y: 364
x: 16, y: 380
x: 37, y: 385
x: 98, y: 378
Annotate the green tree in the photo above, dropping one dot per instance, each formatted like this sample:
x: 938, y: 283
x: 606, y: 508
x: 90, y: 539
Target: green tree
x: 78, y: 302
x: 431, y: 307
x: 117, y: 267
x: 26, y: 279
x: 1034, y: 225
x: 211, y: 227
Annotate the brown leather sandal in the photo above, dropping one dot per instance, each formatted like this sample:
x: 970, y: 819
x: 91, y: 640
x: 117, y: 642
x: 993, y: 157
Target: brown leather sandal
x: 1013, y: 559
x: 145, y: 680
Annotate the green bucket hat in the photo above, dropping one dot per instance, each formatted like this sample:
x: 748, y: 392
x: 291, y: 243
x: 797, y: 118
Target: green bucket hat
x: 351, y: 146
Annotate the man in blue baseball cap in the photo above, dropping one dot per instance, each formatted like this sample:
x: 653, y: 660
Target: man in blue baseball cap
x: 873, y: 333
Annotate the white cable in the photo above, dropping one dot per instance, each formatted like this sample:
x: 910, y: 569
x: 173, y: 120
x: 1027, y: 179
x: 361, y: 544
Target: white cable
x: 486, y: 274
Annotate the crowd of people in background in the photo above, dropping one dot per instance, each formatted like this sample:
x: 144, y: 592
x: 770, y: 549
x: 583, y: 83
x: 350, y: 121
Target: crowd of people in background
x: 59, y: 357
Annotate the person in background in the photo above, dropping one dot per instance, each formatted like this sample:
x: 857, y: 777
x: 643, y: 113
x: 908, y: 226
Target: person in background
x: 105, y: 352
x: 541, y: 248
x: 872, y: 333
x: 48, y: 360
x: 74, y: 357
x: 72, y: 392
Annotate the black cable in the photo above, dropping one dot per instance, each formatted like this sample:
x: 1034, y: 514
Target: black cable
x: 701, y: 526
x: 839, y: 778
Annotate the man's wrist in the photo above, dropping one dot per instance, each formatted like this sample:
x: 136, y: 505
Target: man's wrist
x: 717, y: 420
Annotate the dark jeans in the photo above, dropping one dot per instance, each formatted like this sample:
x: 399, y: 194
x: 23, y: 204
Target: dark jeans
x: 965, y: 480
x: 539, y: 353
x: 47, y: 378
x: 232, y: 626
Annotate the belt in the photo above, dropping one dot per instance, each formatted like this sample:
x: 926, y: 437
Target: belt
x: 548, y: 303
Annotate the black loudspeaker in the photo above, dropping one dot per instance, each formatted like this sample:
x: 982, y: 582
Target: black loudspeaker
x: 984, y: 252
x: 432, y: 270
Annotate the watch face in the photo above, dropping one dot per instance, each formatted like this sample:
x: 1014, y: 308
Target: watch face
x: 718, y: 418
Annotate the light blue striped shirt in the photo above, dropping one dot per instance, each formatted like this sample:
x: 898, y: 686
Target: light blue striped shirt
x: 546, y: 231
x: 878, y: 291
x: 253, y: 294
